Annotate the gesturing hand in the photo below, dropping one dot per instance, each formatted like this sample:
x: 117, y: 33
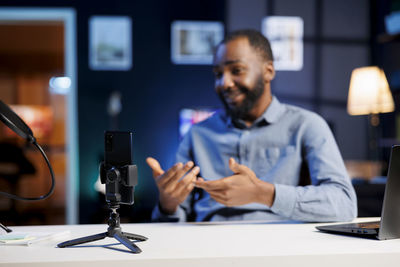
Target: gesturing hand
x: 175, y: 184
x: 239, y: 189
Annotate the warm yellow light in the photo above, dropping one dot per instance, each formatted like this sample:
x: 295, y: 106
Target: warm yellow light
x: 369, y: 92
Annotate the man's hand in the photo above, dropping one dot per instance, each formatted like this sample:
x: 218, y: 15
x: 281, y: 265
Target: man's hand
x: 239, y: 189
x: 175, y: 184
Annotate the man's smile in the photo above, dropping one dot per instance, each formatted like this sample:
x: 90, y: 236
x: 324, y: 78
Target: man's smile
x: 233, y: 97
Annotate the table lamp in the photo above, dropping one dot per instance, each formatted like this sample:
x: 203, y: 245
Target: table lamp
x: 369, y: 94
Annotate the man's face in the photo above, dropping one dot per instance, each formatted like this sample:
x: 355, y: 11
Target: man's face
x: 239, y: 77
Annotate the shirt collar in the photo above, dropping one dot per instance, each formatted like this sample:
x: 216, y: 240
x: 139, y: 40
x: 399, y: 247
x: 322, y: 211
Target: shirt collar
x: 274, y: 111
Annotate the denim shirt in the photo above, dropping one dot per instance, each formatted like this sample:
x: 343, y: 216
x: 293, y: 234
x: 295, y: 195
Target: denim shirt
x: 287, y: 146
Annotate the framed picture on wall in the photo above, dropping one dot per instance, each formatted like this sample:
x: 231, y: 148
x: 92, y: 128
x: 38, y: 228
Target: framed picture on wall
x: 286, y: 37
x: 193, y: 42
x: 110, y: 43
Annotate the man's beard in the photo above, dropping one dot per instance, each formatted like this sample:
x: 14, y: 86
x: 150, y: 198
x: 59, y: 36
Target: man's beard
x: 242, y: 111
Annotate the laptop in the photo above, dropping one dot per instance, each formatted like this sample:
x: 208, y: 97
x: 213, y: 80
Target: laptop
x: 389, y: 225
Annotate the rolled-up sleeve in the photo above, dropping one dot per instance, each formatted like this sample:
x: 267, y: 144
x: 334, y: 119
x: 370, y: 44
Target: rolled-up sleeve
x: 331, y: 196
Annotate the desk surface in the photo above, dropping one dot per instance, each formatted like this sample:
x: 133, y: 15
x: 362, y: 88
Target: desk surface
x: 207, y: 244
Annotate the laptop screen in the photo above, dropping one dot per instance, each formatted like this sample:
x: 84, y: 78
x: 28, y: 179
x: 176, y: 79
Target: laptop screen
x: 390, y: 219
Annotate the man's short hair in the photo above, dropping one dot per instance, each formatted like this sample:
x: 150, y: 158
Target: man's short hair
x: 256, y: 40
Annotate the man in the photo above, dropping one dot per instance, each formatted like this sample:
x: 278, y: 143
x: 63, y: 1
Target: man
x: 252, y: 158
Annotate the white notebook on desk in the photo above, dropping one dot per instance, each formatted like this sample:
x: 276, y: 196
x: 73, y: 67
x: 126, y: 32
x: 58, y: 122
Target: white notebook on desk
x: 29, y: 238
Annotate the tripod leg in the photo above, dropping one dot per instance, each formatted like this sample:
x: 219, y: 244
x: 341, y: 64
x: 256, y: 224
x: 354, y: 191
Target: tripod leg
x: 135, y: 236
x: 82, y: 240
x: 127, y: 243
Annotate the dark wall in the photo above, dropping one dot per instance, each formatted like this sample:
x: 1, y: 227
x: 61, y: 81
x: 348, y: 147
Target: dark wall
x: 386, y: 54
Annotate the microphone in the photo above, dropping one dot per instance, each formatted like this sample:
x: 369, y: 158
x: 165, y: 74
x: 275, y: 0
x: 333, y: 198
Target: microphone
x: 16, y: 124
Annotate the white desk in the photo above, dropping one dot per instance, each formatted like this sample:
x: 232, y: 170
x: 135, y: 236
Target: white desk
x: 178, y: 245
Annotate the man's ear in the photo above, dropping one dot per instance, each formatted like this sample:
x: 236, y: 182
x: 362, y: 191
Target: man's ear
x: 269, y: 71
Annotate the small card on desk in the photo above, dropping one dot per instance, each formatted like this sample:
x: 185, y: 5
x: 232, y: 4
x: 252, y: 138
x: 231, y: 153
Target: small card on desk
x: 28, y: 238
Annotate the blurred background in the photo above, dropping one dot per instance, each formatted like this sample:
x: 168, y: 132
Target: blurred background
x: 73, y: 69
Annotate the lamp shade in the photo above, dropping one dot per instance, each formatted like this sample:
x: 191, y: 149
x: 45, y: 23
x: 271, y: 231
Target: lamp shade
x: 369, y: 92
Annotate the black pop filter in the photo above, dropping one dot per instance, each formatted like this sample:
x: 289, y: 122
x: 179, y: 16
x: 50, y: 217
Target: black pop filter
x: 15, y: 123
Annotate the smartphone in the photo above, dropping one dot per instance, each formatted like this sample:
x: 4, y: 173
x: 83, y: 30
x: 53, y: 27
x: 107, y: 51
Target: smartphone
x: 118, y: 155
x: 118, y: 148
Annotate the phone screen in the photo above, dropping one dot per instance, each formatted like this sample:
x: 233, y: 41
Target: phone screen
x: 118, y: 153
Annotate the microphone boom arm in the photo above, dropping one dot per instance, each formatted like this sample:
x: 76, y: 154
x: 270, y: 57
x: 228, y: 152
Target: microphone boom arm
x: 15, y: 123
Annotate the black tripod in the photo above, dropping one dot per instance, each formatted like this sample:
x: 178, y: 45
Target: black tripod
x: 114, y: 230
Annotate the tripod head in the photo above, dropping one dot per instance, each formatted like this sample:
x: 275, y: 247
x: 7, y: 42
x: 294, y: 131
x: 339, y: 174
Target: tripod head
x: 120, y: 183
